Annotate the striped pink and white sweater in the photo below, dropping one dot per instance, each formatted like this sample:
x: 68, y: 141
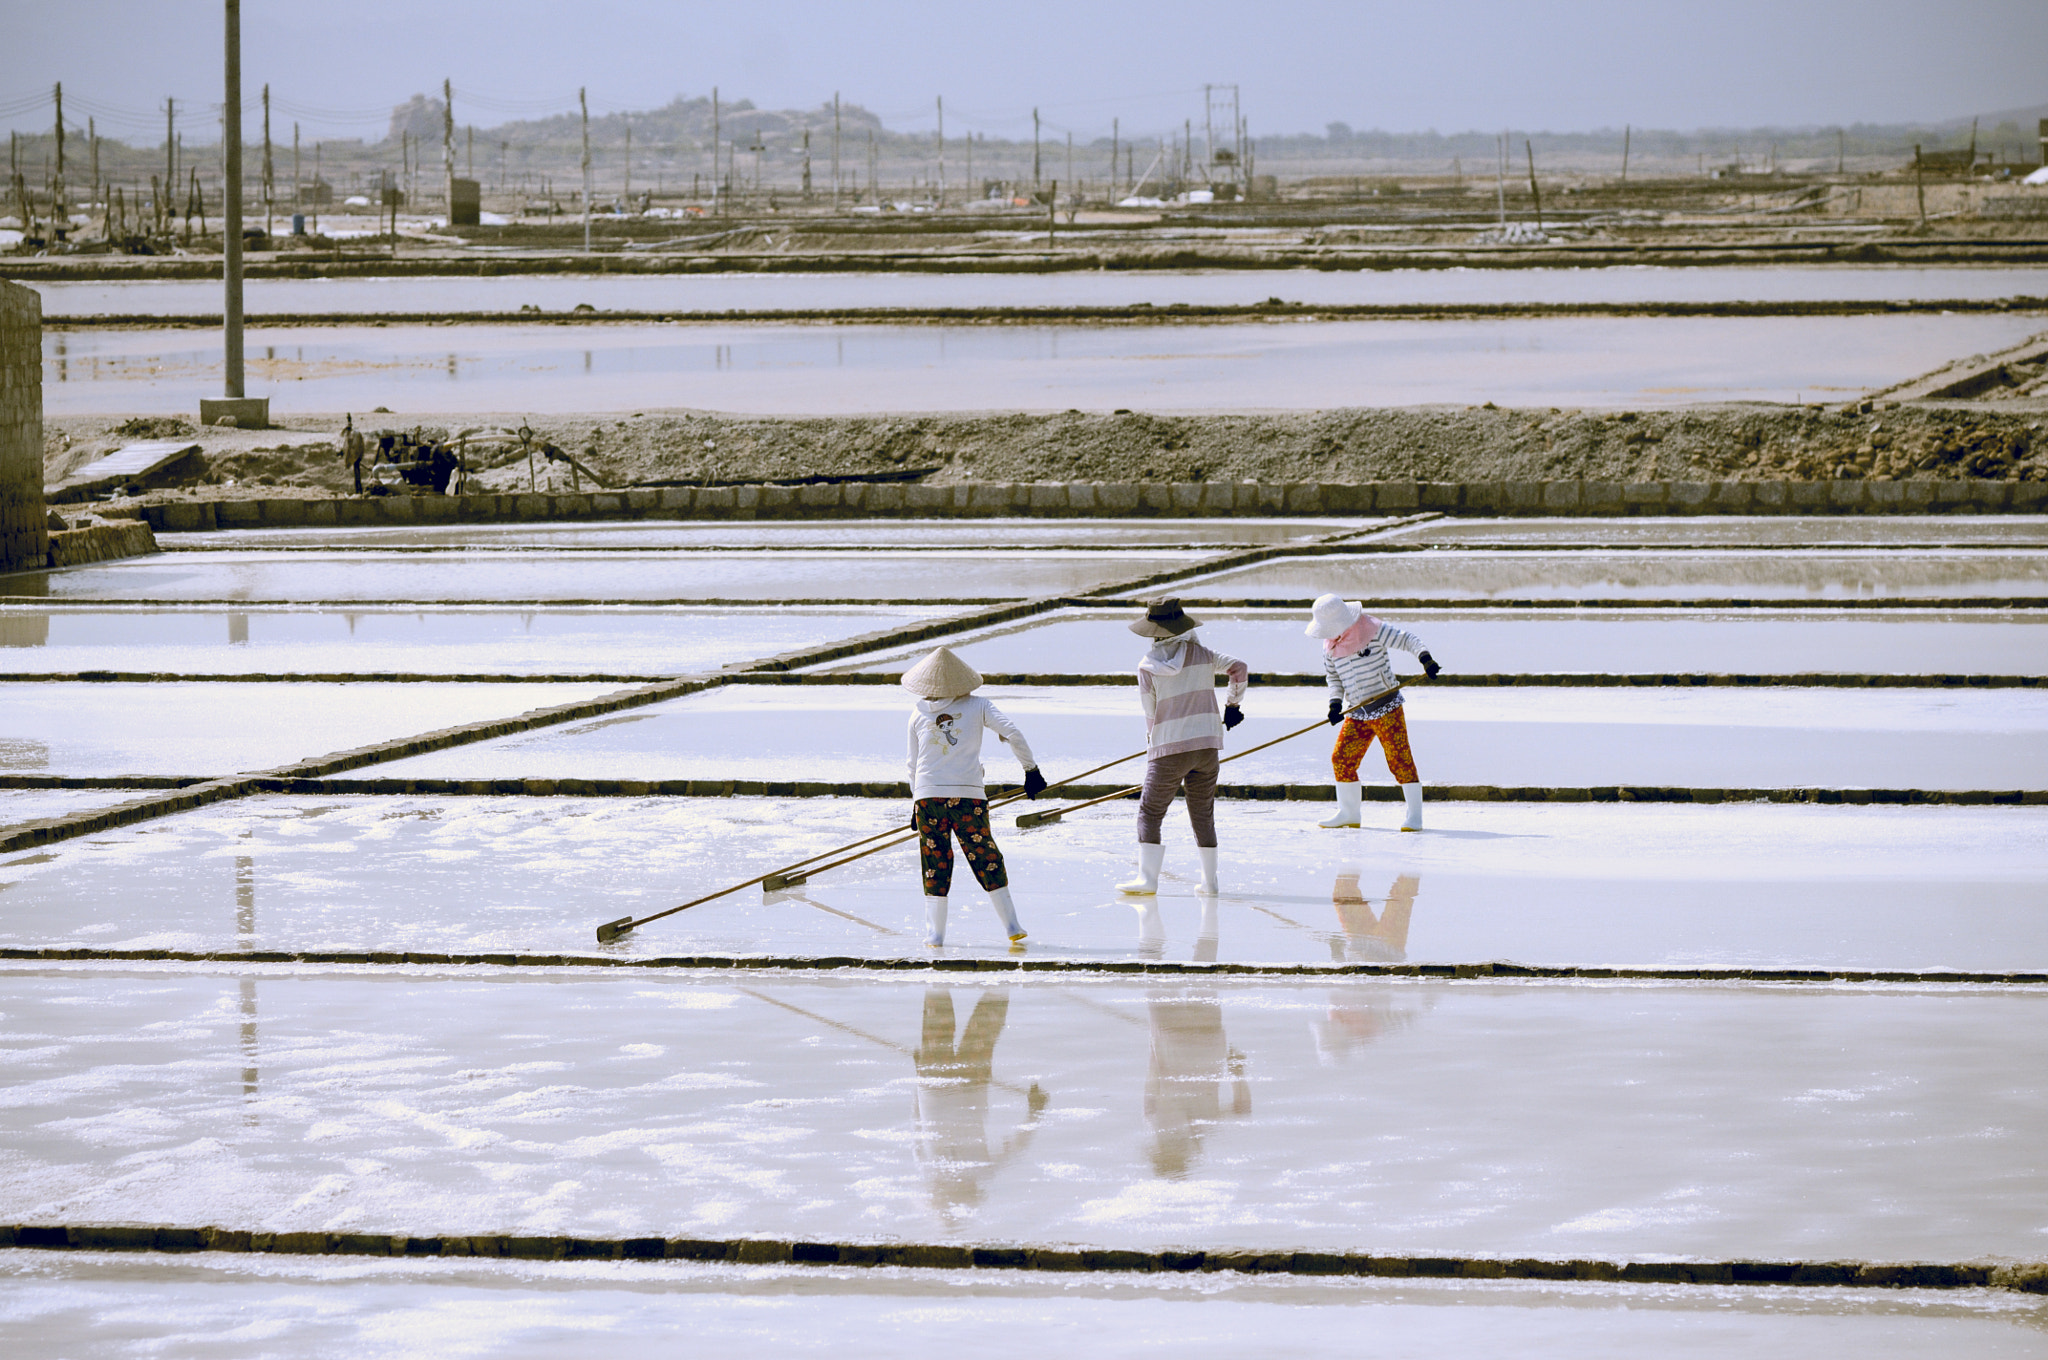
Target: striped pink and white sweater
x: 1177, y: 686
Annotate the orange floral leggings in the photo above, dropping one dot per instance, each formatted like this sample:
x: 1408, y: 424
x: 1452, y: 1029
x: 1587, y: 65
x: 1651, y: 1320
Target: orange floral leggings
x: 1354, y: 739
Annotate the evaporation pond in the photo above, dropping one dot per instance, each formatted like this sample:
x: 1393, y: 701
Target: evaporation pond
x: 472, y: 641
x: 801, y: 369
x: 1903, y: 574
x: 403, y: 577
x: 1519, y: 737
x: 1471, y: 642
x: 208, y: 730
x: 1411, y: 1117
x: 1563, y: 885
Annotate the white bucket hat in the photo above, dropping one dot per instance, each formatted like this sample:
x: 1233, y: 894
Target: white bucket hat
x: 1332, y: 615
x: 941, y: 675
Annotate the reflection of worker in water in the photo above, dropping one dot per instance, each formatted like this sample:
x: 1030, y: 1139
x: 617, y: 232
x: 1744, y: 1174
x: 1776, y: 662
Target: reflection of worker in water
x: 1360, y: 1015
x: 1368, y: 938
x: 1191, y: 1058
x: 953, y: 1102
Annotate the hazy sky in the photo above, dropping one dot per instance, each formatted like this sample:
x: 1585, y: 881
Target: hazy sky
x: 1449, y: 65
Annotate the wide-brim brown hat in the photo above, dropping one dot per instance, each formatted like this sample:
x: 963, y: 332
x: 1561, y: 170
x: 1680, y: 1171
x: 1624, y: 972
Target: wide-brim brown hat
x: 941, y: 675
x: 1164, y: 619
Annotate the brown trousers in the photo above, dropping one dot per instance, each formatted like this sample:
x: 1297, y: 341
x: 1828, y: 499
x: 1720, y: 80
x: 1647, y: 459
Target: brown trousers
x: 1164, y: 776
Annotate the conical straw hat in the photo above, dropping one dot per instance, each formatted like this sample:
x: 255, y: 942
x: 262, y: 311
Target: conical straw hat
x: 941, y: 675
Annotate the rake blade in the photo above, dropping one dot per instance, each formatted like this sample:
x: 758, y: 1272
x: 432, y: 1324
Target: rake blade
x: 1030, y: 819
x: 777, y: 882
x: 613, y: 930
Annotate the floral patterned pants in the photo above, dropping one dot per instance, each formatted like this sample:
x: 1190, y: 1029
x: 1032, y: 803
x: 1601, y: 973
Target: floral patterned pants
x: 1354, y: 739
x: 938, y: 822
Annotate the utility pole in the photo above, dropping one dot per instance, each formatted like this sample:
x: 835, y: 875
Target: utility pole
x: 295, y: 169
x: 57, y: 212
x: 316, y: 188
x: 874, y: 170
x: 448, y: 146
x: 584, y: 105
x: 1208, y: 125
x: 1625, y: 130
x: 1115, y: 131
x: 1841, y: 149
x: 807, y: 165
x: 269, y: 173
x: 1072, y: 192
x: 469, y: 150
x: 717, y: 198
x: 629, y: 165
x: 92, y: 137
x: 835, y: 151
x: 231, y: 211
x: 1035, y: 176
x: 942, y: 152
x: 171, y: 147
x: 1500, y: 181
x: 1534, y: 192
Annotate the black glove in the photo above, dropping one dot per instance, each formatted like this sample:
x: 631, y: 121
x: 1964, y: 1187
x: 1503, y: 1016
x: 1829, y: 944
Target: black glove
x: 1429, y: 666
x: 1336, y: 711
x: 1034, y: 782
x: 1232, y: 716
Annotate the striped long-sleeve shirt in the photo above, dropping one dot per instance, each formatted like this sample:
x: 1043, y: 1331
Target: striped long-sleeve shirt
x: 1177, y: 686
x: 1366, y: 673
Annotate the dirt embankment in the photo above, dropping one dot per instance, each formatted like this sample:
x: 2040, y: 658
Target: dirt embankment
x: 1441, y: 444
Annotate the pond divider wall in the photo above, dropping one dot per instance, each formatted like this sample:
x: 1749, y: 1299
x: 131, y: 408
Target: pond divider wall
x: 1123, y: 500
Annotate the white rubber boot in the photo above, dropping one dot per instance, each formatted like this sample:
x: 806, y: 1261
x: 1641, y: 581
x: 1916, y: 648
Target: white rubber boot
x: 934, y: 922
x: 1350, y: 797
x: 1413, y: 793
x: 1208, y: 857
x: 1150, y: 857
x: 999, y: 898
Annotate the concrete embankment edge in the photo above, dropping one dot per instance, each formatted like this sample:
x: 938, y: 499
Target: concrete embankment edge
x: 1122, y: 500
x: 2026, y: 1277
x: 1491, y: 971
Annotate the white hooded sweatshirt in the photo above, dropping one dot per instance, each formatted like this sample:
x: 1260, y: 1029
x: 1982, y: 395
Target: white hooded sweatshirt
x: 945, y: 746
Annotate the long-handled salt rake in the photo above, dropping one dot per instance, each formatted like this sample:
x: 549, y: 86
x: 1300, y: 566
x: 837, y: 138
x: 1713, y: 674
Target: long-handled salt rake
x: 1051, y: 815
x: 789, y: 875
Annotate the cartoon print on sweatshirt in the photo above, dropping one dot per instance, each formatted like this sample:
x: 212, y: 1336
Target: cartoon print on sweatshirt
x: 947, y: 729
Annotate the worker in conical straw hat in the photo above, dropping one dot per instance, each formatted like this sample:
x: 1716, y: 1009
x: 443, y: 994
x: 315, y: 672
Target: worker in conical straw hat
x: 949, y: 791
x: 1366, y: 699
x: 1183, y: 733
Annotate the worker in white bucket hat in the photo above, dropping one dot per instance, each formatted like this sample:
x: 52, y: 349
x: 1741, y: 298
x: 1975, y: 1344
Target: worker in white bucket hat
x: 949, y: 790
x: 1366, y: 699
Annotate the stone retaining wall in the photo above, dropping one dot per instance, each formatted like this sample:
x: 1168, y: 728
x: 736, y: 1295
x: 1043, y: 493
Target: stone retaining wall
x: 2029, y: 1277
x: 1062, y: 500
x: 21, y: 428
x: 100, y: 543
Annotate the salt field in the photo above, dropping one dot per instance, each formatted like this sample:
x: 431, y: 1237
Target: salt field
x: 1732, y: 886
x: 375, y: 1007
x: 200, y: 1306
x: 1788, y: 577
x: 1162, y: 288
x: 809, y: 369
x: 1147, y: 1114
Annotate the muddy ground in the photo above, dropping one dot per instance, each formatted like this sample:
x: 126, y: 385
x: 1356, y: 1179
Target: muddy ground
x: 1444, y: 444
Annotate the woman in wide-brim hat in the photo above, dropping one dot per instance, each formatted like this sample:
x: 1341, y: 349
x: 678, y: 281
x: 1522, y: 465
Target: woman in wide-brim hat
x: 1366, y: 699
x: 949, y: 789
x: 1183, y: 735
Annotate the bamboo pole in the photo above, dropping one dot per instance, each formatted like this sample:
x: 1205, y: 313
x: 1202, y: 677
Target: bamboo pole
x: 792, y: 874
